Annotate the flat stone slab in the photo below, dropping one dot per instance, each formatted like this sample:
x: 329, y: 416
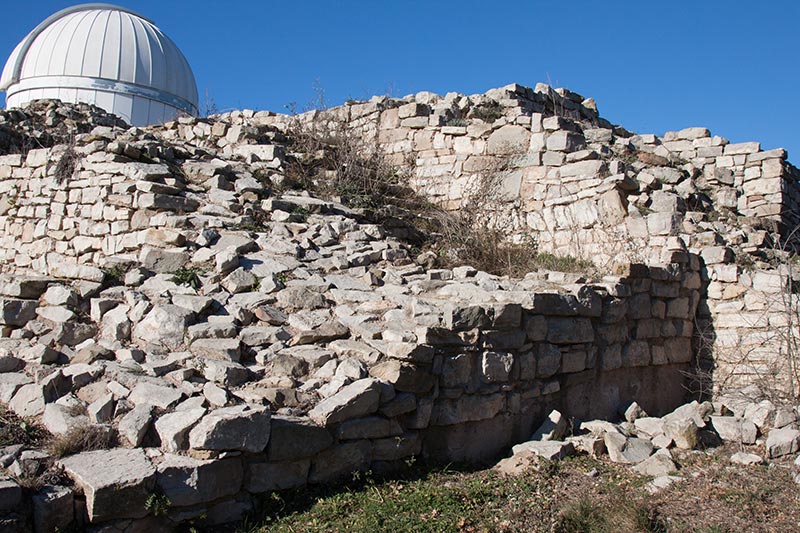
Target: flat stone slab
x: 627, y: 450
x: 188, y: 481
x: 552, y: 450
x: 353, y: 401
x: 116, y: 483
x: 242, y: 427
x: 782, y: 442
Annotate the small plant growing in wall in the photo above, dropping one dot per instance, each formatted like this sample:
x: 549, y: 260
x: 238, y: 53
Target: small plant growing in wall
x: 158, y: 504
x: 187, y: 276
x: 488, y: 111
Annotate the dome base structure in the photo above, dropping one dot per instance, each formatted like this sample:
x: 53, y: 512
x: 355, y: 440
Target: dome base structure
x: 103, y: 55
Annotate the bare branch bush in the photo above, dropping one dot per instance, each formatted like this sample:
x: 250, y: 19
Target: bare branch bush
x: 339, y: 157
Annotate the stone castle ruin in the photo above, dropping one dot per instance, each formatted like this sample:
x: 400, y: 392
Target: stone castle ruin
x: 166, y: 286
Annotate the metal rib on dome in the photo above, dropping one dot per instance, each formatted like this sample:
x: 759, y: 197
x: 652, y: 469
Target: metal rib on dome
x: 105, y: 55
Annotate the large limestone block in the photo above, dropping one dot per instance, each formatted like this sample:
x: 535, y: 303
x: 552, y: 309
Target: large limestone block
x: 552, y: 450
x: 735, y: 429
x: 467, y: 408
x: 173, y: 428
x: 164, y: 327
x: 683, y: 431
x: 658, y: 464
x: 393, y: 448
x: 53, y: 509
x: 162, y: 396
x: 296, y: 437
x: 509, y: 139
x: 188, y: 481
x: 358, y: 399
x: 116, y: 483
x: 405, y: 377
x: 565, y: 141
x: 371, y: 427
x: 627, y: 450
x: 782, y: 442
x: 496, y: 366
x: 267, y: 477
x: 163, y: 260
x: 339, y: 461
x: 134, y: 425
x: 569, y: 330
x: 17, y: 312
x: 242, y: 427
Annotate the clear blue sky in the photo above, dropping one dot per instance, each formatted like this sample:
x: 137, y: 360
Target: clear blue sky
x: 729, y: 65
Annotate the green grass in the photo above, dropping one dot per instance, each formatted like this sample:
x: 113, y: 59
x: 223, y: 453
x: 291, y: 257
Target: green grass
x: 435, y: 501
x: 558, y: 498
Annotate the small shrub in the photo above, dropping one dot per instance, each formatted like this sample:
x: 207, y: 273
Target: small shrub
x: 488, y: 111
x: 16, y: 430
x: 115, y: 275
x: 158, y: 504
x: 583, y: 516
x: 82, y: 439
x: 187, y: 276
x: 457, y: 122
x: 67, y: 164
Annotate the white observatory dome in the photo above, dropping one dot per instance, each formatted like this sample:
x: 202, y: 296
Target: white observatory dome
x: 103, y: 55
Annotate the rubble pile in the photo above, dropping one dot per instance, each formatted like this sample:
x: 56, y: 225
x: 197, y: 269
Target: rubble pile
x: 758, y: 430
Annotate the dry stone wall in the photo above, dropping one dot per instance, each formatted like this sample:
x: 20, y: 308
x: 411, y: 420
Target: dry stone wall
x: 577, y: 185
x: 158, y: 287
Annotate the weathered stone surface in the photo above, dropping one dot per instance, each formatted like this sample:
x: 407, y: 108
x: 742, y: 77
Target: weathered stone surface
x: 53, y: 509
x: 339, y: 461
x: 394, y: 448
x: 496, y: 366
x: 134, y: 425
x: 163, y: 327
x: 116, y: 482
x: 225, y: 372
x: 29, y: 400
x: 353, y: 401
x: 162, y: 260
x: 17, y: 312
x: 744, y: 458
x: 243, y: 427
x: 782, y: 441
x: 735, y: 429
x: 371, y: 427
x: 295, y: 437
x: 553, y: 428
x: 569, y: 330
x: 10, y: 494
x: 59, y: 419
x: 519, y: 463
x: 156, y: 395
x: 467, y: 408
x: 222, y: 349
x: 173, y: 428
x: 658, y: 464
x: 406, y: 377
x: 508, y: 139
x: 683, y: 432
x: 627, y: 450
x: 187, y: 481
x: 267, y: 477
x: 552, y: 450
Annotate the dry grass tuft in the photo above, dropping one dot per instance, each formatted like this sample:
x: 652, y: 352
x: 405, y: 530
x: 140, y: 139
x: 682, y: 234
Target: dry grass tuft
x: 82, y: 438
